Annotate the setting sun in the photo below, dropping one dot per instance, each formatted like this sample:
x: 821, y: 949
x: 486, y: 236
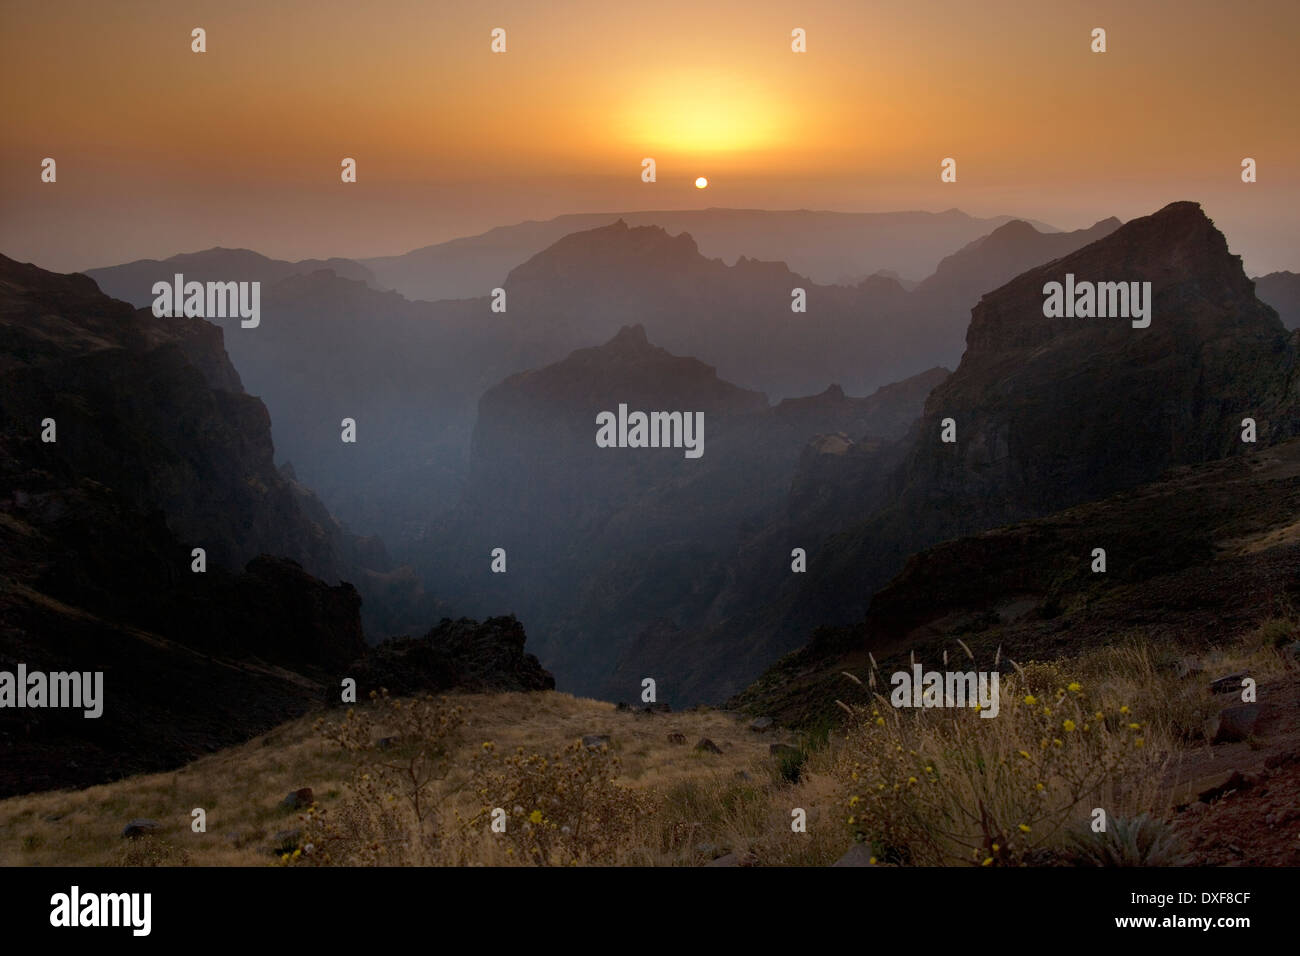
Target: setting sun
x: 701, y: 183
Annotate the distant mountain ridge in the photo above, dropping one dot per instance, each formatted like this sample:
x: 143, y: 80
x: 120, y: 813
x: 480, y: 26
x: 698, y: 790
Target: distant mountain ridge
x: 132, y: 281
x: 410, y: 373
x: 1281, y: 290
x: 824, y: 246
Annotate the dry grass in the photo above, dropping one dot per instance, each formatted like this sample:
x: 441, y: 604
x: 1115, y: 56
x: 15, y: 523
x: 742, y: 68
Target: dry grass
x: 241, y: 787
x: 648, y: 801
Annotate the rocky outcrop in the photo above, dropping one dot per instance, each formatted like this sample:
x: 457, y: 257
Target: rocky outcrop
x: 455, y: 655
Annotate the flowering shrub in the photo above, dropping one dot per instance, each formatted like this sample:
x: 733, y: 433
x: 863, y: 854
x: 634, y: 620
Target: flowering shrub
x: 401, y: 751
x: 933, y: 787
x: 560, y: 810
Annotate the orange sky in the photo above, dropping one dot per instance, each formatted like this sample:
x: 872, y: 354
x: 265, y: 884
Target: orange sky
x: 161, y: 150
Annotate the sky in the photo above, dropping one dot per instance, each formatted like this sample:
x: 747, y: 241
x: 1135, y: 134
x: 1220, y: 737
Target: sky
x: 161, y: 150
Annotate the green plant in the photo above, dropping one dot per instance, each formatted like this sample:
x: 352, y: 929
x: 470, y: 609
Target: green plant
x: 1134, y: 841
x: 790, y: 765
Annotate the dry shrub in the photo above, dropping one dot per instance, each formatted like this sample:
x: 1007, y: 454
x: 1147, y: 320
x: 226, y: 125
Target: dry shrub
x: 150, y: 851
x: 947, y: 786
x: 391, y: 814
x: 560, y: 810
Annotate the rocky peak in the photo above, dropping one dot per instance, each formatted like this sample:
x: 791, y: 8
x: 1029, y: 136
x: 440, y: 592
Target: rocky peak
x: 1054, y: 411
x: 1177, y: 249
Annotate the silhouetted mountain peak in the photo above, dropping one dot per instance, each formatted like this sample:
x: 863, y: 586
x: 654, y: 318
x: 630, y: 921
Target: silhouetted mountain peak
x: 615, y: 248
x: 1015, y: 229
x: 1177, y: 249
x: 629, y: 337
x: 627, y: 365
x: 1006, y: 252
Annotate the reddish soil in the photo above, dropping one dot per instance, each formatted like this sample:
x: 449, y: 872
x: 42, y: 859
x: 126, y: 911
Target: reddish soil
x: 1240, y: 802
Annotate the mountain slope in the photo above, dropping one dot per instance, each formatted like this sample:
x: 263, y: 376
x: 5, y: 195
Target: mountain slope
x: 1195, y: 558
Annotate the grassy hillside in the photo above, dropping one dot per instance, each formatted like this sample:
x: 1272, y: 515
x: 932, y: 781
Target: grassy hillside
x: 413, y: 781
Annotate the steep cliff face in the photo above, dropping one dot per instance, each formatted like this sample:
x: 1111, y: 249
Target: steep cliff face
x: 155, y: 451
x: 1054, y: 411
x: 152, y: 408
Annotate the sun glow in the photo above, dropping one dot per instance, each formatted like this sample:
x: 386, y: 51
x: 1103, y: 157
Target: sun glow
x: 704, y: 113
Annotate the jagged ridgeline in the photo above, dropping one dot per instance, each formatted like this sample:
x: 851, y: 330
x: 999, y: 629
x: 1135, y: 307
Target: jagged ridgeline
x: 334, y: 344
x: 127, y: 442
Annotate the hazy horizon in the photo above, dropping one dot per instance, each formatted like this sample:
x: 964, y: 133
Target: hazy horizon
x: 162, y: 150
